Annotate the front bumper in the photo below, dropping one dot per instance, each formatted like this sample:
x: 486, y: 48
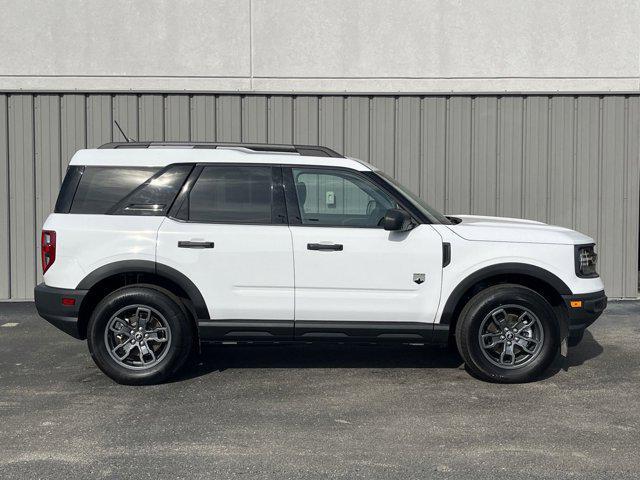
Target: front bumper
x: 50, y: 307
x: 583, y: 309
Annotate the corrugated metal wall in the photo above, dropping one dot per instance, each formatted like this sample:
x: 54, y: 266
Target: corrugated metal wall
x: 568, y: 160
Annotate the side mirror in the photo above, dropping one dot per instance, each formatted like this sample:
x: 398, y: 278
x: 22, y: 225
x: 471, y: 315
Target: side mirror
x: 397, y: 220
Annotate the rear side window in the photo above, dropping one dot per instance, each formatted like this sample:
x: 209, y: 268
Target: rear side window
x: 231, y: 194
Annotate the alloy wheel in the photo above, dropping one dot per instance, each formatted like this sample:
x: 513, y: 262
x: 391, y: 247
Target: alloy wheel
x: 511, y: 336
x: 137, y: 337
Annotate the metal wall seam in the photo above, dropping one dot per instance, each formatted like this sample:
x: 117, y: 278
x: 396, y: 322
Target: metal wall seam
x: 632, y: 201
x: 5, y: 203
x: 22, y: 196
x: 48, y: 175
x: 151, y: 117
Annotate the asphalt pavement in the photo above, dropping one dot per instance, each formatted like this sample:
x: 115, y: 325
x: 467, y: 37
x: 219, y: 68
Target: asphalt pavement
x: 298, y: 412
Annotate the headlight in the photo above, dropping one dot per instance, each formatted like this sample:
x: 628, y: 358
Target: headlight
x: 586, y: 260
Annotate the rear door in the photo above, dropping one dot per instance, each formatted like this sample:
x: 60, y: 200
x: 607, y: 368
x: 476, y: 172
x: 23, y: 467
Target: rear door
x: 228, y: 233
x: 354, y: 279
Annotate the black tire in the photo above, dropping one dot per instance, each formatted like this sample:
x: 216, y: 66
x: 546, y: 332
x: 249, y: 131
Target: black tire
x: 174, y: 354
x: 478, y: 311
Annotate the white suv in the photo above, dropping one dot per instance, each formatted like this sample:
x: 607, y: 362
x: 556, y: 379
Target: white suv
x: 155, y: 247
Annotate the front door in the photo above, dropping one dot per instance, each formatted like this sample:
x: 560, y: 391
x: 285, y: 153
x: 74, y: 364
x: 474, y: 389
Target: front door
x: 230, y: 238
x: 353, y: 278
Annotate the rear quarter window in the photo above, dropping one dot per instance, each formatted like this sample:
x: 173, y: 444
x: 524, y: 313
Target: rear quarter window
x: 156, y: 195
x: 68, y: 189
x: 102, y: 188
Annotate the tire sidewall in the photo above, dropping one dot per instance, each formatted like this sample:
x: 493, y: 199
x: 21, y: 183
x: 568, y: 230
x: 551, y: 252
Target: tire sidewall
x: 478, y: 309
x: 181, y: 337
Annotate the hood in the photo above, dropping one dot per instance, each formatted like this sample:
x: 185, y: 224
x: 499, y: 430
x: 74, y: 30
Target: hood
x: 502, y: 229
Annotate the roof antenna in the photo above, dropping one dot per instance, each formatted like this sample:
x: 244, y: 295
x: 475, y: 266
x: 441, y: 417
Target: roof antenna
x: 121, y: 131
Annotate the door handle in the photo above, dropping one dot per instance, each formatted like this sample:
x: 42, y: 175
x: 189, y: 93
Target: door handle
x: 189, y: 244
x: 337, y: 247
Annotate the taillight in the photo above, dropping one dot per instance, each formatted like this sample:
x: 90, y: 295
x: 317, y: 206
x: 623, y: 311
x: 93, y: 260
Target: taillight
x: 48, y: 249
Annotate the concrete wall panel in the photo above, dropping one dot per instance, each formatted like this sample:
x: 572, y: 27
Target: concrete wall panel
x: 158, y: 39
x: 320, y: 46
x: 406, y: 38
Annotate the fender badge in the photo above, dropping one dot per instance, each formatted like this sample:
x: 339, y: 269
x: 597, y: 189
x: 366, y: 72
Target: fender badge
x: 418, y: 278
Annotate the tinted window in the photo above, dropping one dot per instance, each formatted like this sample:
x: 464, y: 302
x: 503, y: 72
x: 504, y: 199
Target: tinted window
x: 68, y: 189
x: 156, y: 195
x: 101, y: 188
x: 231, y: 194
x: 339, y: 198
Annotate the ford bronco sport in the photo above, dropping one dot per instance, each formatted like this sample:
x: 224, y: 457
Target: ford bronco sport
x: 156, y: 247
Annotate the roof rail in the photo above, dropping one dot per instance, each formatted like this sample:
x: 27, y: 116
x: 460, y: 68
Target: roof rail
x: 306, y: 150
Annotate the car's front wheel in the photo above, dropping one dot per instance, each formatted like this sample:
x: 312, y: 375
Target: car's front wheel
x: 139, y: 335
x: 508, y: 334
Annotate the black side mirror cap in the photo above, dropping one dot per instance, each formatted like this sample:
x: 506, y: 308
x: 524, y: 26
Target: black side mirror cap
x: 397, y: 220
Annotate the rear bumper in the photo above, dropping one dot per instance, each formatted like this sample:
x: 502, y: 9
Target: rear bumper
x: 580, y: 317
x: 50, y: 307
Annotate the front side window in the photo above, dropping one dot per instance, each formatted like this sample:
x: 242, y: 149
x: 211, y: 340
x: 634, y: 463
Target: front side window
x: 231, y: 194
x: 339, y: 198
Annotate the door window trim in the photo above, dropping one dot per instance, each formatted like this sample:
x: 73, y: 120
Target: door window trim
x: 293, y: 206
x: 278, y: 206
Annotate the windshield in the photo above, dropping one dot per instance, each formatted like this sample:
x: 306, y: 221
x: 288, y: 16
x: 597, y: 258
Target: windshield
x: 431, y: 213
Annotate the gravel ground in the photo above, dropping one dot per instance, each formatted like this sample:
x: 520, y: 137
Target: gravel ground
x: 318, y: 412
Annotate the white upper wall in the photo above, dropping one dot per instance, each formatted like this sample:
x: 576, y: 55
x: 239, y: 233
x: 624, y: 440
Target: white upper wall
x: 321, y: 45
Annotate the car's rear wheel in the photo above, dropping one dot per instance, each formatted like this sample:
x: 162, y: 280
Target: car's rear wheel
x: 508, y: 334
x: 139, y: 335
